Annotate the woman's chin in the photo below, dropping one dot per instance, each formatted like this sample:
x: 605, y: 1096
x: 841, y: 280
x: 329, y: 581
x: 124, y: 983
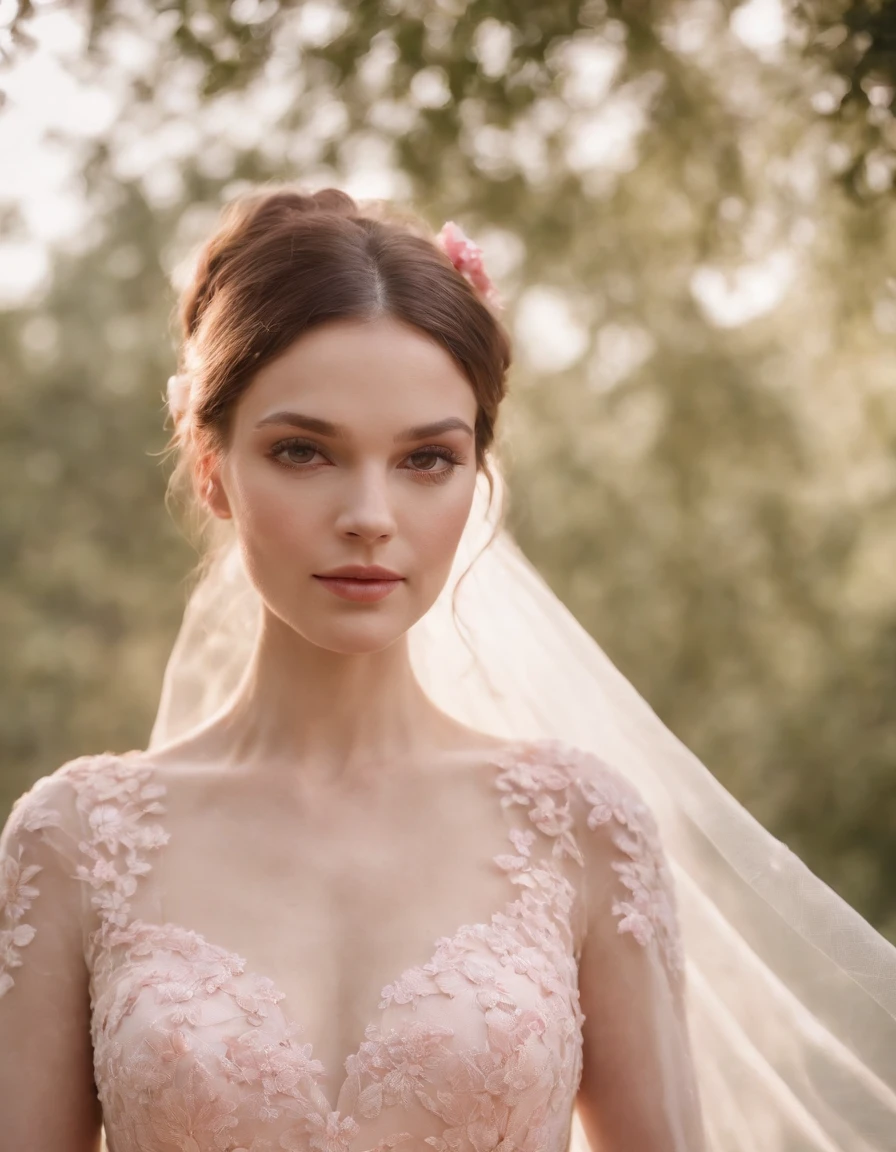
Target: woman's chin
x: 357, y: 638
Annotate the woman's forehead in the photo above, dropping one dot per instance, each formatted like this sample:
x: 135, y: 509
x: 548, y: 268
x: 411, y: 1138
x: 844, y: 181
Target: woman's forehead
x: 345, y: 372
x: 380, y: 341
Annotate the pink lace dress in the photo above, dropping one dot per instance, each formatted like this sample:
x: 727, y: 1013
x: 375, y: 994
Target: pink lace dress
x: 570, y: 995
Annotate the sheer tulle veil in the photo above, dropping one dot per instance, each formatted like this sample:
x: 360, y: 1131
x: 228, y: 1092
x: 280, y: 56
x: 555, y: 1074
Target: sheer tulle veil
x: 791, y: 994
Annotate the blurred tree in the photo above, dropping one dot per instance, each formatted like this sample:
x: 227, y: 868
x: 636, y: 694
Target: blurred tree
x: 692, y: 234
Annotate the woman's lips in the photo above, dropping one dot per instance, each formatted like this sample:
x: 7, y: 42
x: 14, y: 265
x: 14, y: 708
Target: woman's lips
x: 354, y: 588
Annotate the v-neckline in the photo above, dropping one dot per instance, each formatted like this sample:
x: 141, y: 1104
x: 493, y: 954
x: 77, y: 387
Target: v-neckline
x: 497, y: 762
x: 291, y: 1021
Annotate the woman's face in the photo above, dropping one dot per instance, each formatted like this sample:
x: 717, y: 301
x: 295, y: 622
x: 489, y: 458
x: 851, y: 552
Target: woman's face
x: 336, y: 459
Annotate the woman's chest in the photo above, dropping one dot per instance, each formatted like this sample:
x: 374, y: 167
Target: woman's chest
x: 270, y: 980
x: 194, y: 1048
x: 324, y: 921
x: 336, y: 894
x: 191, y: 1045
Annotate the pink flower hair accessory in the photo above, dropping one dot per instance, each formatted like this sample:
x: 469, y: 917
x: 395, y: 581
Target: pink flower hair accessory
x: 467, y: 258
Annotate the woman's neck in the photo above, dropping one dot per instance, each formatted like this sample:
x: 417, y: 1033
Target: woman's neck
x: 334, y: 714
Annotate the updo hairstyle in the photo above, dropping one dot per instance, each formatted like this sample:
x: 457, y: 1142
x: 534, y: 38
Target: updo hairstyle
x: 283, y: 261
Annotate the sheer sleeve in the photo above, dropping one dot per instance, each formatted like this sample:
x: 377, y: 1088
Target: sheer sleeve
x: 47, y: 1094
x: 638, y: 1091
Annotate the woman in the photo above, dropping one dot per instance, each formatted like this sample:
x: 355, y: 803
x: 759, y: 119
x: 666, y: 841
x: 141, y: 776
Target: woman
x: 358, y: 893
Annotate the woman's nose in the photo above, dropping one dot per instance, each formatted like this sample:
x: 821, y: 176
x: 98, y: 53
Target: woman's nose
x: 368, y: 511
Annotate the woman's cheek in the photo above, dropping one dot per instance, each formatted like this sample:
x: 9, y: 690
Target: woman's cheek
x: 272, y: 509
x: 442, y: 530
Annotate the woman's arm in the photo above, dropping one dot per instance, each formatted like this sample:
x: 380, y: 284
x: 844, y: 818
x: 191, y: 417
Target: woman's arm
x: 48, y: 1099
x: 638, y: 1091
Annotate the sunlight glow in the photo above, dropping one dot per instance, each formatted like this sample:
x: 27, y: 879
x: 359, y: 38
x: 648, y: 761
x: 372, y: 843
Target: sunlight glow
x: 730, y: 297
x: 547, y: 331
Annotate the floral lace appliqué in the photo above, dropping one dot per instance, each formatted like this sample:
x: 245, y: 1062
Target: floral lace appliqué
x: 29, y: 819
x: 648, y: 910
x: 477, y: 1050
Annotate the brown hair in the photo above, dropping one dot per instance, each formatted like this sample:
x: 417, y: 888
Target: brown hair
x: 283, y: 261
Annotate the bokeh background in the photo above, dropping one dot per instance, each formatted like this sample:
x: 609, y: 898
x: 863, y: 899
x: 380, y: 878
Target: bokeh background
x: 688, y: 208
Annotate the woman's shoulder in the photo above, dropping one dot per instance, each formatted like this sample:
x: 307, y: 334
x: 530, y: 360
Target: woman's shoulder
x: 589, y: 782
x: 47, y: 799
x: 619, y: 840
x: 60, y: 797
x: 44, y: 846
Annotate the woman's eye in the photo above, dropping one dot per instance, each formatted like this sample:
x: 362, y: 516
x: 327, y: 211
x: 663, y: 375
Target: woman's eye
x: 292, y: 449
x: 430, y: 457
x: 424, y: 462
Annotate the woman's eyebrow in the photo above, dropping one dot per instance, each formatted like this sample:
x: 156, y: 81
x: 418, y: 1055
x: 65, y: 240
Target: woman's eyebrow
x: 338, y: 431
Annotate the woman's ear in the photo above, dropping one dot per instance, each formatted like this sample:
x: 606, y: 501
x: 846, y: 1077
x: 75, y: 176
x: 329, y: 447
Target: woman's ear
x: 210, y: 488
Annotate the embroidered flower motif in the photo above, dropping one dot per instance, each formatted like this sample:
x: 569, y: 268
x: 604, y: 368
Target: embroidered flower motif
x: 16, y: 891
x: 30, y: 814
x: 331, y: 1133
x: 390, y: 1142
x: 513, y: 864
x: 550, y: 817
x: 174, y: 990
x: 149, y: 1073
x: 188, y: 1115
x: 101, y: 874
x: 253, y: 1003
x: 518, y: 866
x: 528, y: 773
x: 522, y: 839
x: 113, y: 903
x: 409, y: 986
x: 279, y: 1070
x: 651, y: 911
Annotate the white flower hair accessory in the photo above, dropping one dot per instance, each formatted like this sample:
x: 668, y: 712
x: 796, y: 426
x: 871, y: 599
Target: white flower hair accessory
x: 178, y: 392
x: 467, y: 258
